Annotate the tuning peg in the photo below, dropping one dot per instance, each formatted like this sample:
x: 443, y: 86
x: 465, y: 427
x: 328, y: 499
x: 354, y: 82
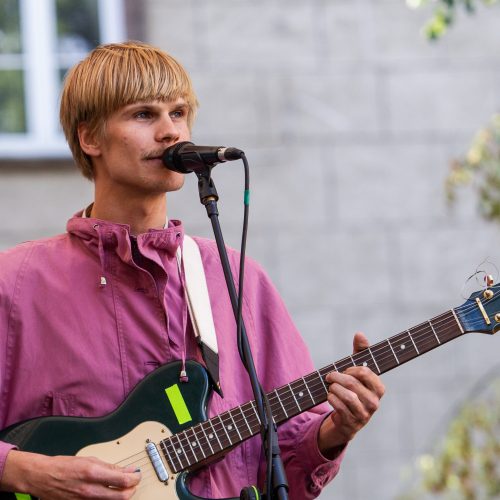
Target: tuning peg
x: 489, y: 280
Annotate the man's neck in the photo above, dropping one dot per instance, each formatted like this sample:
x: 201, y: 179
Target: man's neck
x: 140, y: 214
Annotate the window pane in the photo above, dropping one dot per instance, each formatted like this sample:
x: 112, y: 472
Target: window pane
x: 10, y: 33
x: 12, y: 115
x: 77, y: 25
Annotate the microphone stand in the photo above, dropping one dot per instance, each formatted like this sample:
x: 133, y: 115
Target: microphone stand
x: 279, y: 489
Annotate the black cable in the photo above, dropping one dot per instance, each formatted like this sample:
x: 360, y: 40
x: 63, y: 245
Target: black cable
x: 244, y: 233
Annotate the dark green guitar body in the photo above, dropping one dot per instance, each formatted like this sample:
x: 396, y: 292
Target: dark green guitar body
x: 147, y: 402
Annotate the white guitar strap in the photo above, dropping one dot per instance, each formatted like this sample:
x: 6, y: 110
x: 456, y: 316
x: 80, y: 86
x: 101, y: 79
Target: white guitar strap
x: 199, y: 308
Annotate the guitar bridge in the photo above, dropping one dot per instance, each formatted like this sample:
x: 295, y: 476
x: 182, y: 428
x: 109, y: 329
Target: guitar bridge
x: 157, y: 462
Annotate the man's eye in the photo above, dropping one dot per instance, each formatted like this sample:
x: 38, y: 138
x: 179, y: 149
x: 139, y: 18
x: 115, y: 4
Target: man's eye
x: 177, y: 114
x: 142, y: 115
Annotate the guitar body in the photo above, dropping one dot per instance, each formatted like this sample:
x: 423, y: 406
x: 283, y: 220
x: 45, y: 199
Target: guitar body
x: 146, y: 415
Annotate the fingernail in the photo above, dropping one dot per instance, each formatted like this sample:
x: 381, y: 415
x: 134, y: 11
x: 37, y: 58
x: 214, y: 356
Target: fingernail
x: 137, y: 470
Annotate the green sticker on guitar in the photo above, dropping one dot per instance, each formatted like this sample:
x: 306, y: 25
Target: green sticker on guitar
x: 22, y: 496
x: 179, y: 406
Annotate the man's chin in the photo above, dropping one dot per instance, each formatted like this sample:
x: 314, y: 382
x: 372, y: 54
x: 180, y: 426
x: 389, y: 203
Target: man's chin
x: 176, y: 184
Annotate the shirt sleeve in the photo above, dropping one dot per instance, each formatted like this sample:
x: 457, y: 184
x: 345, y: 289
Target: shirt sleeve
x: 308, y: 471
x: 4, y: 451
x: 10, y: 263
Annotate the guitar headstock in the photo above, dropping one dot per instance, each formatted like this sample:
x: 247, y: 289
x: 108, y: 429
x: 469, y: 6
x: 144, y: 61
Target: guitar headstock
x: 481, y: 312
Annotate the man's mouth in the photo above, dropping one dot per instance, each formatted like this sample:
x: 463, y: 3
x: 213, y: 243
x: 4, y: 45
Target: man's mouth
x: 154, y: 156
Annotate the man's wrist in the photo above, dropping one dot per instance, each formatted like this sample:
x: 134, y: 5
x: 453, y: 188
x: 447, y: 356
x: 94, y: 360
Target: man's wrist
x: 330, y: 442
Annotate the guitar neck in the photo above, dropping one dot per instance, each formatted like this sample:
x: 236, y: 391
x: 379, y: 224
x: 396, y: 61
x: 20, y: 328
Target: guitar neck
x: 212, y: 437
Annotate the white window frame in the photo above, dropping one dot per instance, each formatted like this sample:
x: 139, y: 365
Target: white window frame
x: 44, y: 138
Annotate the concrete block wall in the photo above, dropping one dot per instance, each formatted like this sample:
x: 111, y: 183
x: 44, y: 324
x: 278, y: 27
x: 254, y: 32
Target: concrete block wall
x: 349, y: 119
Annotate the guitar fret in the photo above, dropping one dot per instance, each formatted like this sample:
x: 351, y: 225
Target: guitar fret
x: 434, y: 332
x: 458, y: 322
x: 246, y: 421
x: 345, y: 363
x: 323, y: 382
x: 411, y: 338
x: 174, y: 453
x: 298, y: 393
x: 189, y: 452
x: 294, y: 398
x: 214, y: 434
x: 279, y: 400
x: 164, y: 447
x: 179, y: 451
x: 206, y: 437
x: 309, y: 392
x: 371, y: 354
x: 383, y: 356
x: 196, y: 442
x: 225, y: 430
x: 235, y: 426
x: 190, y: 447
x: 256, y: 412
x: 390, y: 345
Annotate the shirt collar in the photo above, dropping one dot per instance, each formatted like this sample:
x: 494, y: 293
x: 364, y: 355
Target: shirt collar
x: 86, y: 214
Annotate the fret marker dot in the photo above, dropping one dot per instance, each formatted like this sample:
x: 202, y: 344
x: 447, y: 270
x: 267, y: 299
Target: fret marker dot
x: 301, y: 394
x: 194, y: 443
x: 402, y: 346
x: 365, y: 364
x: 211, y: 436
x: 179, y: 452
x: 229, y: 427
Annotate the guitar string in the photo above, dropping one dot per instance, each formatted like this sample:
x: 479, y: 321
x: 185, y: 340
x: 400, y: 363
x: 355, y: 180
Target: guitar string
x: 277, y: 403
x: 277, y: 400
x: 415, y: 335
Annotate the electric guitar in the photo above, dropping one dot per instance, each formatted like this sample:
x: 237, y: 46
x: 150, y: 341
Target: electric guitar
x: 162, y: 427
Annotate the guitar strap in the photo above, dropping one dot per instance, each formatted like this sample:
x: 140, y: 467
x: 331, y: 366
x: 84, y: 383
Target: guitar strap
x: 199, y: 308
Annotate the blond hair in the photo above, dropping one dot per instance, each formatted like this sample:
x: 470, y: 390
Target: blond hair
x: 113, y: 76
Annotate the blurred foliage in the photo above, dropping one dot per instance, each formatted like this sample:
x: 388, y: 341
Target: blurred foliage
x: 77, y: 25
x: 466, y: 465
x: 445, y: 12
x: 12, y: 115
x: 480, y: 168
x: 10, y: 31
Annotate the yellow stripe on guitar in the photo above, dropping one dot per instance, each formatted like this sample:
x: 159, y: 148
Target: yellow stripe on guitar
x: 179, y: 406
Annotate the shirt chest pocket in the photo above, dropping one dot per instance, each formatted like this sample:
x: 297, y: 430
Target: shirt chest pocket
x: 59, y: 403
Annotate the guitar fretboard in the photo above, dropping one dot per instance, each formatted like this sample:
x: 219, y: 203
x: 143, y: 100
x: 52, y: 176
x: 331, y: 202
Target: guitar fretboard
x: 212, y: 437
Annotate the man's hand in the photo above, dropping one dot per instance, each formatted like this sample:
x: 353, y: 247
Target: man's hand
x: 67, y: 478
x: 355, y: 396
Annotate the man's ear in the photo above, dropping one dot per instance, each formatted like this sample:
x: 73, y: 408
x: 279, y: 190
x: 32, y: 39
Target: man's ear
x: 88, y: 140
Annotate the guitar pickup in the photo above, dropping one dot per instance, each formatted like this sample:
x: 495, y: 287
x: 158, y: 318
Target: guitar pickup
x: 157, y: 462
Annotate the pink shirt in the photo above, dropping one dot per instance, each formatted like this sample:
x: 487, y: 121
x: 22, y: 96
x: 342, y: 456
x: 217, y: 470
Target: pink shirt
x: 81, y: 324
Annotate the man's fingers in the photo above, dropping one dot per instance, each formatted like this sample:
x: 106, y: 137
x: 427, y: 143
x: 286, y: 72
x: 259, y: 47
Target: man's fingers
x: 367, y: 378
x: 115, y: 476
x: 360, y: 342
x: 355, y: 393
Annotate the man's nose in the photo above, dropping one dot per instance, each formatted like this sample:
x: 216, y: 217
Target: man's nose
x: 167, y: 131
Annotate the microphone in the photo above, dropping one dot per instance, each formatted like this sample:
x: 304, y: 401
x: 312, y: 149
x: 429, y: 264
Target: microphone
x: 185, y: 157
